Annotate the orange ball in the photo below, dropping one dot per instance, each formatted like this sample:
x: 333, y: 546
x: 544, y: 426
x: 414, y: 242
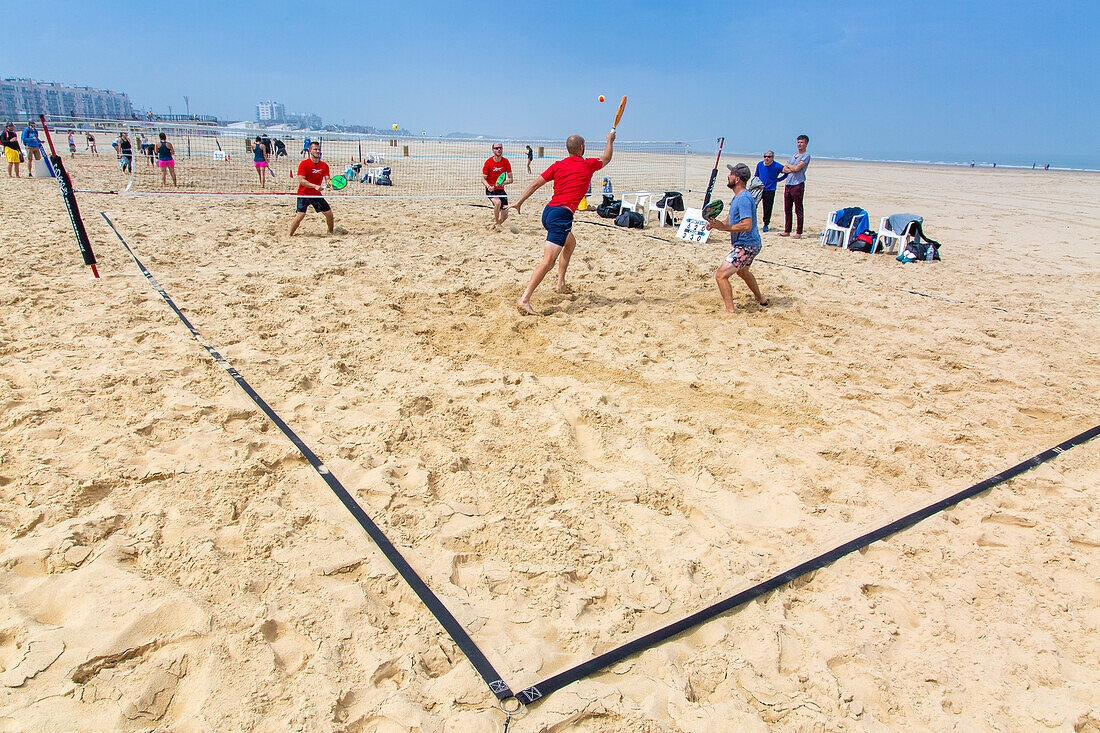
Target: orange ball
x: 601, y: 97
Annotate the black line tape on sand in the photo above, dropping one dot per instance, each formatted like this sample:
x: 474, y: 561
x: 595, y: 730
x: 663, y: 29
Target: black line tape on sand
x: 430, y: 600
x: 558, y: 681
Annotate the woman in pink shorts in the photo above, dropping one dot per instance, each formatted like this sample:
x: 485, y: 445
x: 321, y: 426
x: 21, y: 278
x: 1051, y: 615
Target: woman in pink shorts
x: 259, y: 159
x: 166, y: 161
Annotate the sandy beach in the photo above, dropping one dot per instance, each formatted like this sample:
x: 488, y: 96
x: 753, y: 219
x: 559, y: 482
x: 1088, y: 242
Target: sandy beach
x: 565, y: 483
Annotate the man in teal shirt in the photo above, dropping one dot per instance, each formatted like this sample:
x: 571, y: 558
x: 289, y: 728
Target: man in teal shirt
x: 744, y: 238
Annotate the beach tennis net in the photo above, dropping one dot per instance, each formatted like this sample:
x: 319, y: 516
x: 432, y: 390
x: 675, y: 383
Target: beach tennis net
x: 219, y: 160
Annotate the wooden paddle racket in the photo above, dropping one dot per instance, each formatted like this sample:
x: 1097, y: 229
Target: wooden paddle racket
x: 619, y: 114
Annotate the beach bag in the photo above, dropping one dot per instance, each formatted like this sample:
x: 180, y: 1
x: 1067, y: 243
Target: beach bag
x: 863, y: 243
x: 921, y: 248
x: 383, y: 180
x: 630, y: 219
x: 609, y: 209
x: 927, y: 251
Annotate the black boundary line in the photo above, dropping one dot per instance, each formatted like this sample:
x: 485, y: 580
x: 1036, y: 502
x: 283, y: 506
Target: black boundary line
x: 431, y: 601
x: 579, y: 672
x: 536, y: 692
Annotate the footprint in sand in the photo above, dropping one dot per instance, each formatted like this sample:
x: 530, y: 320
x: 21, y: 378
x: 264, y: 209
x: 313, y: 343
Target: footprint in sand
x: 291, y: 649
x: 588, y: 439
x: 893, y: 603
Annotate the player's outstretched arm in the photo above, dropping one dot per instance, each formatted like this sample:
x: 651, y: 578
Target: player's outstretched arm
x: 606, y: 157
x: 535, y: 186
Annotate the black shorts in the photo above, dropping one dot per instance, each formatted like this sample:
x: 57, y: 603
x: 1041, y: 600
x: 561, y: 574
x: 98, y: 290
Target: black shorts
x: 319, y: 204
x: 497, y: 193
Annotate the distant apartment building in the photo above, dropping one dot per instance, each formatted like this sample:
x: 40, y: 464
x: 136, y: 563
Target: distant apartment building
x: 27, y: 97
x: 304, y: 120
x: 270, y: 112
x: 274, y: 113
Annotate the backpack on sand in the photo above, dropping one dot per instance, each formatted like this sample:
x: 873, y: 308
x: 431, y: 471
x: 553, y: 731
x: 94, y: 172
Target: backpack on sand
x: 631, y: 219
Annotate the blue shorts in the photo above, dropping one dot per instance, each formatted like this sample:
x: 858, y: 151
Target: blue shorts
x: 558, y: 221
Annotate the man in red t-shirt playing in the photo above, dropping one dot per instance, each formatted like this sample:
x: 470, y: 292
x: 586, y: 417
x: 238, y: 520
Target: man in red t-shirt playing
x: 571, y: 176
x: 312, y: 178
x: 490, y: 172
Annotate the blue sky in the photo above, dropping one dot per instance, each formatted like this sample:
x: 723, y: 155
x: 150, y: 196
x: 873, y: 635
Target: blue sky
x: 1013, y: 82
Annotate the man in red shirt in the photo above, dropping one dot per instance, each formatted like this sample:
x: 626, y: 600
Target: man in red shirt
x: 312, y: 179
x: 491, y: 172
x: 571, y: 176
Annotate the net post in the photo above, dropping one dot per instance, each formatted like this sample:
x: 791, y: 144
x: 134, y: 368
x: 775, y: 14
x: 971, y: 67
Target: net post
x: 69, y: 198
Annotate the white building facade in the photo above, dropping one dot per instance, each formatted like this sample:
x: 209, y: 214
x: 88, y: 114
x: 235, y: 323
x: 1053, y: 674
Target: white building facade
x: 26, y: 97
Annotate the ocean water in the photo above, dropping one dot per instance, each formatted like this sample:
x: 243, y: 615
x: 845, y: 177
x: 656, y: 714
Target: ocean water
x: 1010, y: 163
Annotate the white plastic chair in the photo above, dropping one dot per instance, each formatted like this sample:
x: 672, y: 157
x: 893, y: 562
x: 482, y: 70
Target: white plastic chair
x: 660, y: 211
x: 845, y: 233
x: 896, y: 241
x: 630, y: 202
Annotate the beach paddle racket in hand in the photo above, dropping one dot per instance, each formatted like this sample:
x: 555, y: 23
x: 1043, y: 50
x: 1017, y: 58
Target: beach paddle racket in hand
x: 337, y: 182
x: 500, y: 180
x: 713, y: 209
x: 619, y: 114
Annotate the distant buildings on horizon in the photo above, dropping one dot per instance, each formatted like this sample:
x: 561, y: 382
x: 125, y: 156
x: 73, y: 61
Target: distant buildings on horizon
x: 274, y: 113
x: 27, y: 97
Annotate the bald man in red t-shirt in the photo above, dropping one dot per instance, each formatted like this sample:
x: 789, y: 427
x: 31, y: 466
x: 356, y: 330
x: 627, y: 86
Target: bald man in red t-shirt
x: 571, y: 176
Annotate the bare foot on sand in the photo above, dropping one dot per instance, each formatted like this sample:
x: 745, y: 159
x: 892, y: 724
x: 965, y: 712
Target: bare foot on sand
x: 525, y: 308
x: 797, y: 236
x: 564, y: 289
x: 784, y: 234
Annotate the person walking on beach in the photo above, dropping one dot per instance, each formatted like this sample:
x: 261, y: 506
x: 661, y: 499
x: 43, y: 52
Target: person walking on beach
x: 126, y: 153
x: 146, y: 148
x: 32, y: 145
x: 313, y: 176
x: 166, y: 160
x: 770, y: 173
x: 795, y: 188
x: 572, y: 177
x: 72, y: 145
x: 530, y: 157
x: 490, y: 172
x: 91, y: 144
x: 744, y: 236
x: 259, y: 160
x: 12, y: 153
